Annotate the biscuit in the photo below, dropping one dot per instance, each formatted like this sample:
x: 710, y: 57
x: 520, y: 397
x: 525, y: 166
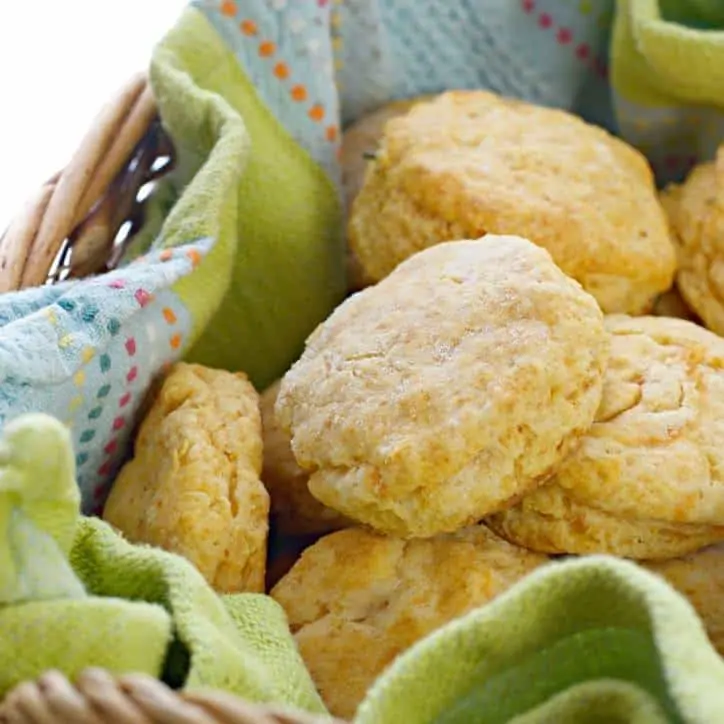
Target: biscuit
x: 295, y: 510
x: 656, y: 449
x: 359, y: 144
x: 653, y: 457
x: 192, y: 486
x: 355, y: 600
x: 700, y: 578
x: 471, y: 163
x: 696, y: 214
x: 551, y: 521
x: 449, y: 389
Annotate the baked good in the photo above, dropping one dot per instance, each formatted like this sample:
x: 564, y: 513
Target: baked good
x: 696, y: 213
x: 471, y: 162
x: 192, y: 486
x: 359, y: 144
x: 700, y: 577
x: 549, y: 520
x: 449, y: 389
x: 655, y: 451
x: 355, y: 600
x: 295, y: 510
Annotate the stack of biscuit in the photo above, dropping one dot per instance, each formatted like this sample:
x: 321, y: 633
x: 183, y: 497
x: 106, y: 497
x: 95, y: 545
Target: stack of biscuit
x: 521, y: 373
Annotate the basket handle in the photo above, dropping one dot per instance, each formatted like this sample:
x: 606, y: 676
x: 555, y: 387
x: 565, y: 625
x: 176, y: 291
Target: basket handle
x: 32, y: 242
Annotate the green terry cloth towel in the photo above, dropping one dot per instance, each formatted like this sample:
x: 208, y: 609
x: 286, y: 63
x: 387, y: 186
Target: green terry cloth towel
x: 667, y: 77
x: 590, y: 641
x: 47, y: 619
x: 238, y: 643
x: 276, y: 267
x: 74, y: 594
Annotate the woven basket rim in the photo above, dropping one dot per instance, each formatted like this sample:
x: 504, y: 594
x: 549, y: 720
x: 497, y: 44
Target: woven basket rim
x: 99, y: 697
x: 70, y: 226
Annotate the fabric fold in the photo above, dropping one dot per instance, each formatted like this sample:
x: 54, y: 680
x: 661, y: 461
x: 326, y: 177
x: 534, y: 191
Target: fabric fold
x: 554, y: 642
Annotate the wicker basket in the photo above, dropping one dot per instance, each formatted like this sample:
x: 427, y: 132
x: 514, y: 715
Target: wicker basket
x: 78, y: 224
x: 99, y: 698
x: 70, y: 228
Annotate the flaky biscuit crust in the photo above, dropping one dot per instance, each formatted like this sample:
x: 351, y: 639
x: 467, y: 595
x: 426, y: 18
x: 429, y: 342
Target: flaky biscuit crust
x: 696, y: 213
x: 296, y: 511
x: 454, y: 385
x: 656, y: 449
x: 355, y: 600
x: 193, y: 485
x: 471, y: 162
x: 551, y: 521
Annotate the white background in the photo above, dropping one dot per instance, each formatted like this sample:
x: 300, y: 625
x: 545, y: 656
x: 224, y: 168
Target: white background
x: 60, y: 60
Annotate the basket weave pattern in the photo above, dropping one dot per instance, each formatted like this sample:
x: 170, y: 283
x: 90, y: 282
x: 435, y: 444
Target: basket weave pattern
x: 99, y: 698
x: 70, y: 227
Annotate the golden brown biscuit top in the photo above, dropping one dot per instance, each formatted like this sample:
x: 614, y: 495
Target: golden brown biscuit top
x: 484, y: 163
x: 193, y: 485
x: 421, y: 372
x: 458, y: 129
x: 655, y: 449
x: 360, y: 575
x: 355, y: 600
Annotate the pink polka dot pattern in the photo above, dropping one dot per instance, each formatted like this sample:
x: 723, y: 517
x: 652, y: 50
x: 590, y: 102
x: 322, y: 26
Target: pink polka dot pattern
x: 119, y: 421
x: 564, y: 36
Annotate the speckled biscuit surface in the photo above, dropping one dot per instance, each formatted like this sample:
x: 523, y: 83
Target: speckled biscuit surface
x: 471, y: 162
x: 696, y: 214
x: 193, y: 485
x: 551, y: 521
x: 656, y: 449
x: 295, y: 510
x: 453, y: 386
x: 355, y: 600
x: 700, y: 577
